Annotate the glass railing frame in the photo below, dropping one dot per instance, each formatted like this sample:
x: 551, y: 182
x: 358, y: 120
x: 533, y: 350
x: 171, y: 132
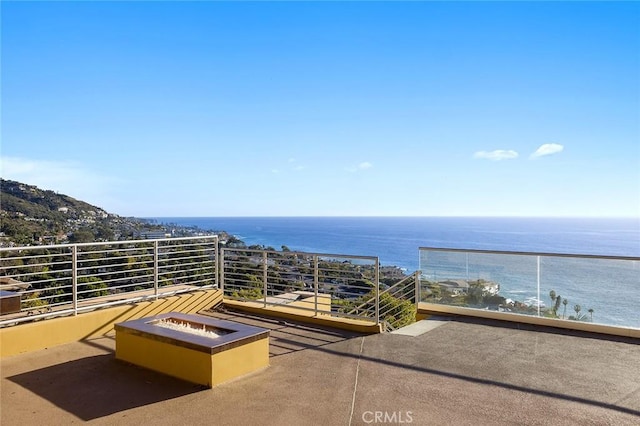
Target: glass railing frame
x: 538, y: 255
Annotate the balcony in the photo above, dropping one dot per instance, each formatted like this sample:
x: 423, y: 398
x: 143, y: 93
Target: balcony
x: 460, y: 372
x: 445, y: 369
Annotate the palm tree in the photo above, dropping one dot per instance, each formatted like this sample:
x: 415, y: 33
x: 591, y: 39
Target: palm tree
x: 577, y: 308
x: 591, y: 312
x: 557, y: 305
x: 564, y: 312
x: 553, y: 296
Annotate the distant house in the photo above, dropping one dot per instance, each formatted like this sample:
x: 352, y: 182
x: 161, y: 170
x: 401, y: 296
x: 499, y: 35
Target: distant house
x: 454, y: 286
x: 152, y: 235
x: 63, y: 209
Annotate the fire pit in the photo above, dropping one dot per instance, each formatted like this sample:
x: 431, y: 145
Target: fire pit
x: 195, y: 348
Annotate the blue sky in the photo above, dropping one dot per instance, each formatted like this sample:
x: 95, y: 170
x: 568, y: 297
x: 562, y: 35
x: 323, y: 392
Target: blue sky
x: 326, y: 108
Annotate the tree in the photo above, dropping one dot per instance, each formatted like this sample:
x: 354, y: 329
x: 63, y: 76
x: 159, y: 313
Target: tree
x: 89, y: 287
x: 564, y: 312
x: 82, y: 236
x: 104, y: 233
x: 234, y: 241
x: 591, y: 313
x: 555, y: 302
x: 557, y: 305
x: 397, y: 312
x: 577, y: 308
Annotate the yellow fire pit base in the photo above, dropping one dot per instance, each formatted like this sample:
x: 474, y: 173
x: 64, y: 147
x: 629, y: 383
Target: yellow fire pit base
x: 184, y: 346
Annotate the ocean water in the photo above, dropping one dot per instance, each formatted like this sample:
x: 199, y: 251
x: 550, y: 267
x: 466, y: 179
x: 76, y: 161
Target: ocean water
x: 611, y: 288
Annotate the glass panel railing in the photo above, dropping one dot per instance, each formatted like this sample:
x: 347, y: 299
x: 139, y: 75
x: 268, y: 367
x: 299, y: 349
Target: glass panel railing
x: 603, y: 290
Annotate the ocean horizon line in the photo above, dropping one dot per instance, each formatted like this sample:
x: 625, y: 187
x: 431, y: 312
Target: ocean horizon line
x: 398, y: 217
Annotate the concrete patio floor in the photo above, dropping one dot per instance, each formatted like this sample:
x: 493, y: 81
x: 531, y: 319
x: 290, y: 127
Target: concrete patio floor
x: 462, y: 372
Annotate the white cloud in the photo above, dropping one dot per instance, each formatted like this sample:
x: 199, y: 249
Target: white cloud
x: 547, y: 149
x: 362, y: 166
x: 293, y: 165
x: 496, y: 155
x: 65, y: 177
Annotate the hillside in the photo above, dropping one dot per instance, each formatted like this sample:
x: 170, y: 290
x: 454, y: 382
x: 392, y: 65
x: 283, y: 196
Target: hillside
x: 30, y: 215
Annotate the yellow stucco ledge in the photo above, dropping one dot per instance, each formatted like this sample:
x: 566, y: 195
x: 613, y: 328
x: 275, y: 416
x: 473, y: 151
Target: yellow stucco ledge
x: 198, y: 358
x: 38, y: 335
x: 294, y: 313
x: 426, y: 309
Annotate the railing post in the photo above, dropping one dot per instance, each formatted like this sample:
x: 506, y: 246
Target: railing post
x: 216, y: 282
x: 417, y: 289
x: 155, y: 268
x: 315, y: 283
x: 539, y: 300
x: 221, y: 269
x: 74, y: 277
x: 264, y: 276
x: 377, y: 278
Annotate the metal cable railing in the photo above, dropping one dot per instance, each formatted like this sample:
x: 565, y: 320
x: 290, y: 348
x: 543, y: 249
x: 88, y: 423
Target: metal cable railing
x: 315, y: 284
x: 397, y: 303
x: 44, y: 281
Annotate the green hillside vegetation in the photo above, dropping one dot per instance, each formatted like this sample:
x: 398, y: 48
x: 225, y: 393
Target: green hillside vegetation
x: 32, y: 216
